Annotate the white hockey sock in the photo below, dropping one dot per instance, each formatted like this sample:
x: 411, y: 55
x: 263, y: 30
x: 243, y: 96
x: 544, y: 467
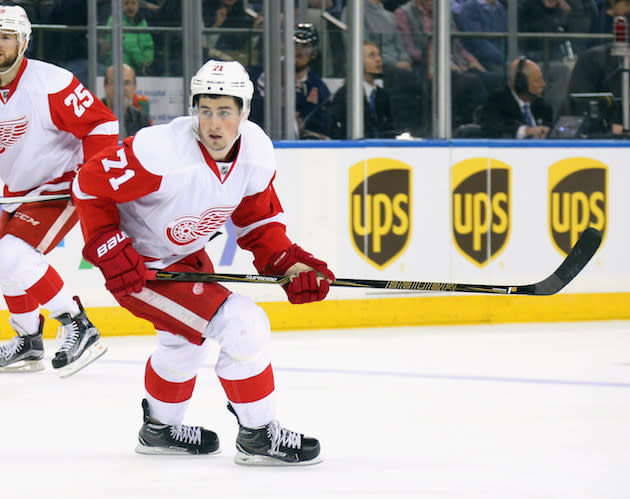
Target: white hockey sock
x: 27, y: 322
x: 62, y: 303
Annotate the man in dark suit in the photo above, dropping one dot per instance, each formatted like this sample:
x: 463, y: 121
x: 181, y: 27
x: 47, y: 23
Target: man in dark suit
x: 377, y: 117
x: 518, y: 110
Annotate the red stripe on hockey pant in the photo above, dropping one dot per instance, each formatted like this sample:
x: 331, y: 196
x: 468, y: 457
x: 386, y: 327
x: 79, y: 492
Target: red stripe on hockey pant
x: 251, y: 389
x: 47, y: 287
x: 167, y: 391
x: 21, y: 304
x: 47, y: 215
x: 203, y: 299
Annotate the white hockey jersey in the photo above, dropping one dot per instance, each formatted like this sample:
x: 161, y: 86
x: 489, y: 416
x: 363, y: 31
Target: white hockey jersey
x: 49, y: 124
x: 168, y: 194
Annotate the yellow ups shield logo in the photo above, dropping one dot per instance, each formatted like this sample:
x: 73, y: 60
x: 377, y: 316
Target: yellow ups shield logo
x: 578, y: 198
x: 380, y: 209
x: 481, y: 208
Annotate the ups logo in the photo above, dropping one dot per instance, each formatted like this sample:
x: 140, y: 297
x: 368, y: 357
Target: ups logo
x: 481, y: 208
x: 380, y: 209
x: 578, y: 198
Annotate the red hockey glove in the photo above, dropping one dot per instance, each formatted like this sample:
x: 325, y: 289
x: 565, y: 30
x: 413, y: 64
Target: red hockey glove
x: 311, y: 276
x: 123, y: 268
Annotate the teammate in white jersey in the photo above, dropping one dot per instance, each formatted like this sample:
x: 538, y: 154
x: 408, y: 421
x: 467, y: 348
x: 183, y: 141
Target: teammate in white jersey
x: 155, y: 202
x: 49, y: 125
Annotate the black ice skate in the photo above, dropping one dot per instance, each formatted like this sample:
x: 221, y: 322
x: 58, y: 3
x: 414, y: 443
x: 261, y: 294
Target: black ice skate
x: 24, y: 352
x: 80, y: 343
x: 157, y: 438
x: 272, y: 445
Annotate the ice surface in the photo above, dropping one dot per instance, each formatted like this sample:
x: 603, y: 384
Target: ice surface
x: 505, y: 411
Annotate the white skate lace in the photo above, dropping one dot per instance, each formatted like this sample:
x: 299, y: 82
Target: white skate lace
x: 9, y: 350
x: 67, y: 336
x: 281, y: 436
x: 187, y: 434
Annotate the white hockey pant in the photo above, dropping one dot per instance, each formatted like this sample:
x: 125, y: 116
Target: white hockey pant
x: 241, y: 328
x: 23, y: 268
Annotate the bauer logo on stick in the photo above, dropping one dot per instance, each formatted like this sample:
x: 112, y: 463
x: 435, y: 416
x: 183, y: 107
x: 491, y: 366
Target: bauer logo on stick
x: 380, y: 209
x: 481, y: 208
x: 578, y: 198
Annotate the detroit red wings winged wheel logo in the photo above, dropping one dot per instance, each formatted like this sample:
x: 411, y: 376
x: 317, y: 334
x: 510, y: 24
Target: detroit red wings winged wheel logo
x: 186, y: 229
x: 11, y: 131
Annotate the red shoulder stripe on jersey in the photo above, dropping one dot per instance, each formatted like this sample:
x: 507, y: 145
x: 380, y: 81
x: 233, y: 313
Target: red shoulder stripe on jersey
x: 113, y: 176
x: 76, y: 110
x: 117, y: 174
x: 257, y: 207
x: 93, y: 144
x: 265, y: 240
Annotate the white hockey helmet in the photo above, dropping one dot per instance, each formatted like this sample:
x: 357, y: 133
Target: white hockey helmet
x: 222, y: 78
x: 13, y: 18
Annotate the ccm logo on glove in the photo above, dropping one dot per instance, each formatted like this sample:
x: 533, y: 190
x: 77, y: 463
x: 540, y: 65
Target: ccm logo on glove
x: 111, y: 243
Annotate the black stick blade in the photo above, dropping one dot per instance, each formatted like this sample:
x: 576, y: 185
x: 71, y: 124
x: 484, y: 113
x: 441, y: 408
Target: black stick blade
x: 576, y: 260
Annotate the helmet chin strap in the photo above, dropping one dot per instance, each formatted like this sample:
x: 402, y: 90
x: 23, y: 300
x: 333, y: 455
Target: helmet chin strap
x: 18, y: 59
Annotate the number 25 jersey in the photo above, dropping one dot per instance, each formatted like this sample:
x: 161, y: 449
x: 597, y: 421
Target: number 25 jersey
x: 49, y: 125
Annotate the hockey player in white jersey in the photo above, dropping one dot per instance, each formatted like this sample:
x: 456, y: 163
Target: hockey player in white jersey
x: 155, y: 202
x: 49, y: 125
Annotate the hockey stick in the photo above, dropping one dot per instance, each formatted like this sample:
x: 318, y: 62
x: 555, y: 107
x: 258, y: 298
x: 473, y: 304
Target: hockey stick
x: 578, y: 257
x: 33, y: 199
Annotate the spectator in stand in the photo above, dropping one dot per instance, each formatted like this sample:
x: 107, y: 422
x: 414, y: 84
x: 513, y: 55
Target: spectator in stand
x: 68, y: 49
x: 138, y: 49
x: 548, y: 16
x: 470, y: 81
x: 312, y: 97
x: 399, y: 78
x: 456, y: 8
x: 231, y: 45
x: 168, y: 45
x: 380, y: 27
x: 135, y: 118
x: 488, y: 16
x: 377, y: 115
x: 582, y: 19
x: 543, y: 16
x: 607, y: 11
x: 518, y: 110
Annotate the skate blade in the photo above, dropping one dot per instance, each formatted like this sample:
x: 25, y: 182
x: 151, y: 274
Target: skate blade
x: 93, y: 352
x: 169, y: 451
x: 256, y: 460
x: 23, y: 367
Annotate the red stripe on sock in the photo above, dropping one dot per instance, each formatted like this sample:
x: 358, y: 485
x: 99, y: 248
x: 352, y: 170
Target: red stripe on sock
x: 21, y: 304
x: 250, y: 389
x: 47, y: 287
x: 167, y: 391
